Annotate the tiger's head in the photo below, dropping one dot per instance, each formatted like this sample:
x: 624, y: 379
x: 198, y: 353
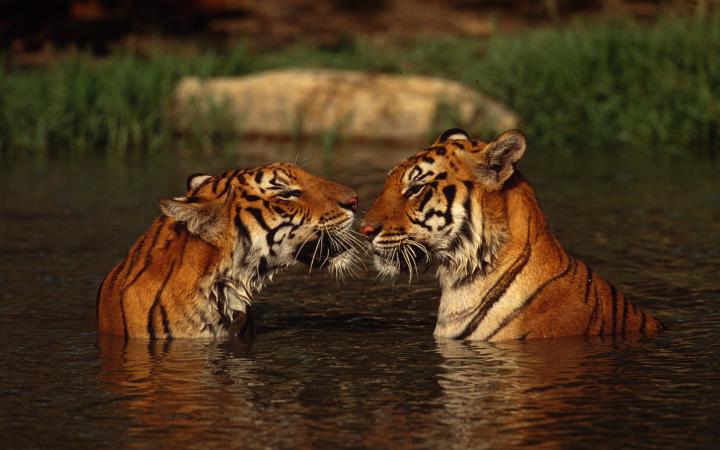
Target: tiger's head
x: 267, y: 218
x: 444, y: 205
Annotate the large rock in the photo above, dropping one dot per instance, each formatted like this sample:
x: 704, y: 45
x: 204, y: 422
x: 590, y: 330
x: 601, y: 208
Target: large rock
x: 355, y: 104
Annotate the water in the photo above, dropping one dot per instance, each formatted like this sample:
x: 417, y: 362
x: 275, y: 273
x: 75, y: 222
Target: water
x: 356, y: 365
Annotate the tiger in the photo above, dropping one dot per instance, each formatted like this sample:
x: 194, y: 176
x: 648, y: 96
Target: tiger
x: 462, y: 204
x: 195, y: 271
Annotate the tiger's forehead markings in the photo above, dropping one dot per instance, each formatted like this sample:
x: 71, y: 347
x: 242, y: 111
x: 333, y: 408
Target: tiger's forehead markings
x: 412, y: 168
x: 402, y: 170
x: 270, y: 177
x: 215, y: 183
x: 405, y: 169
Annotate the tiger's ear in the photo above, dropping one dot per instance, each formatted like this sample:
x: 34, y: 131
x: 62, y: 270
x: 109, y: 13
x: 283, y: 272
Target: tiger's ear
x: 196, y: 180
x: 453, y: 134
x: 201, y: 218
x: 497, y: 161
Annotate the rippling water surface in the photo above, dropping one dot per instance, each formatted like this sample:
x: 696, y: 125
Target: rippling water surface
x: 356, y: 365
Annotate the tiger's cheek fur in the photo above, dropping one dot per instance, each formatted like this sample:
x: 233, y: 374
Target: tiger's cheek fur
x: 271, y: 239
x: 441, y: 219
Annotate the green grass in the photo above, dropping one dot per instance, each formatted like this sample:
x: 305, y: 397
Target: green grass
x: 613, y: 85
x: 586, y: 86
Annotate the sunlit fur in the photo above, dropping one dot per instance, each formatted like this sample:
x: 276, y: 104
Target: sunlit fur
x: 462, y: 205
x: 195, y: 271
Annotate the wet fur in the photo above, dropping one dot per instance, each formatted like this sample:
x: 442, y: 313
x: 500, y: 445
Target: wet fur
x: 195, y: 271
x: 503, y: 274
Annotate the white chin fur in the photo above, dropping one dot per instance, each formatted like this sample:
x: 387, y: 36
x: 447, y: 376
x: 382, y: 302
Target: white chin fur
x: 343, y: 263
x: 386, y: 269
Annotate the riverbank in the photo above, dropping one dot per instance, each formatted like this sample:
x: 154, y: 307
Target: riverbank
x: 582, y: 87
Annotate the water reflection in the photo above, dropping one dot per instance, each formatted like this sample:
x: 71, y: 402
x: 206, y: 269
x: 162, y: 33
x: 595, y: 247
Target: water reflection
x: 165, y: 387
x: 185, y: 391
x: 356, y: 365
x: 514, y: 392
x: 371, y: 390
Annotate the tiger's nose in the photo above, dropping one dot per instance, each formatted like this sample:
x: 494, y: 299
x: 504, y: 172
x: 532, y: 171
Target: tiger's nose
x: 370, y: 230
x: 351, y: 204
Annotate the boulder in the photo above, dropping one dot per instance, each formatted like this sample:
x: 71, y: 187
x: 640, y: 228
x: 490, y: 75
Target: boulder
x: 357, y: 105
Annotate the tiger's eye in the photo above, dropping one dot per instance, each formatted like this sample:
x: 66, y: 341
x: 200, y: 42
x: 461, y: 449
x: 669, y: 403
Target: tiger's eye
x: 412, y: 190
x: 289, y: 194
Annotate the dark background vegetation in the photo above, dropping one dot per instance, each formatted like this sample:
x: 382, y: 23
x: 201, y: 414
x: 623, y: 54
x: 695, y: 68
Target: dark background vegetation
x: 95, y: 77
x: 98, y: 24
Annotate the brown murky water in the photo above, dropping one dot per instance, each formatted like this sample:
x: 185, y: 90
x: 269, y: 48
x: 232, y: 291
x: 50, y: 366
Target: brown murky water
x: 356, y: 365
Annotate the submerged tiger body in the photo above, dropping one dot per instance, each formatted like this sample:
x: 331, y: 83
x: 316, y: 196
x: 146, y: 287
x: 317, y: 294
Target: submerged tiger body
x: 194, y: 272
x: 503, y: 274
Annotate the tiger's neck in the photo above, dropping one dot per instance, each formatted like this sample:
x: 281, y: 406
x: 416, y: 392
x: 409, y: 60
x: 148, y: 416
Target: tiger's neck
x: 472, y: 304
x: 227, y: 279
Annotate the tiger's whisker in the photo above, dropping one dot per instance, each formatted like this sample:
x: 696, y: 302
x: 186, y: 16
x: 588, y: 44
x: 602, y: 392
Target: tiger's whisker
x: 312, y: 260
x: 303, y: 244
